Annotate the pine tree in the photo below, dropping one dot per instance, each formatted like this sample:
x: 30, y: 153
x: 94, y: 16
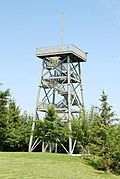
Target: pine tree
x: 17, y: 129
x: 51, y: 129
x: 81, y: 132
x: 4, y: 98
x: 102, y: 133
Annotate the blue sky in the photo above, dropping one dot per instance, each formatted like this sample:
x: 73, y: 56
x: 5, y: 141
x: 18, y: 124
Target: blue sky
x: 92, y: 25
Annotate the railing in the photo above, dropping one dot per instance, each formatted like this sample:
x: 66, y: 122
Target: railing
x: 44, y: 106
x: 61, y: 104
x: 54, y: 84
x: 61, y: 49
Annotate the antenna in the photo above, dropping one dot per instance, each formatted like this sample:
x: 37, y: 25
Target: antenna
x: 62, y: 34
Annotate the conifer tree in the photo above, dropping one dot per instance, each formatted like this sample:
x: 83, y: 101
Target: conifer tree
x: 4, y: 98
x: 103, y: 133
x: 51, y: 129
x: 81, y: 132
x: 18, y: 130
x: 14, y: 127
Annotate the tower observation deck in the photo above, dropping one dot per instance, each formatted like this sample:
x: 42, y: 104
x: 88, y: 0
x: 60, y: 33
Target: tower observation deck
x: 60, y: 83
x: 62, y: 51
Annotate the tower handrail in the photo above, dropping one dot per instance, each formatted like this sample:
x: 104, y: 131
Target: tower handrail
x: 60, y: 49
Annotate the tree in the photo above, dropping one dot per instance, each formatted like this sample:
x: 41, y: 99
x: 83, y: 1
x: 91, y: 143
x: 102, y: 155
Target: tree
x: 115, y: 150
x: 103, y: 134
x: 17, y: 129
x: 51, y: 129
x: 4, y: 98
x: 81, y: 132
x: 14, y: 127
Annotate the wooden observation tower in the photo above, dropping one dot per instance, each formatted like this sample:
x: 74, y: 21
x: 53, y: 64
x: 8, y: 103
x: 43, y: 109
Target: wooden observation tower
x: 60, y: 84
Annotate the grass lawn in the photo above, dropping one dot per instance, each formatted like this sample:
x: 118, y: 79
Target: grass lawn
x: 21, y: 165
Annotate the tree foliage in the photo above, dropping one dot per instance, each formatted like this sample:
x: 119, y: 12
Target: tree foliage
x: 104, y: 134
x: 97, y: 132
x: 81, y: 132
x: 51, y: 128
x: 4, y: 98
x: 14, y: 129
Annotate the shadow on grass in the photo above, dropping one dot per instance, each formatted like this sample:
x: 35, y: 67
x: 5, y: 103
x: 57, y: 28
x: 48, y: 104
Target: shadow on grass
x: 91, y: 162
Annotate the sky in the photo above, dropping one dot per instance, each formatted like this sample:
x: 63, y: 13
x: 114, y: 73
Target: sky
x: 91, y: 25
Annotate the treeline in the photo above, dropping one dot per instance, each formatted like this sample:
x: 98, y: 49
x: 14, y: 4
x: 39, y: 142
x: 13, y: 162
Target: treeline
x: 96, y: 132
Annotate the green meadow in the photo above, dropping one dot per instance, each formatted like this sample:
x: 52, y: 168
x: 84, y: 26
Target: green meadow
x: 21, y: 165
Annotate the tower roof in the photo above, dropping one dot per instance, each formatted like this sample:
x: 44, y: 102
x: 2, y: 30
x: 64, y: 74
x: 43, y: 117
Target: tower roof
x: 76, y: 54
